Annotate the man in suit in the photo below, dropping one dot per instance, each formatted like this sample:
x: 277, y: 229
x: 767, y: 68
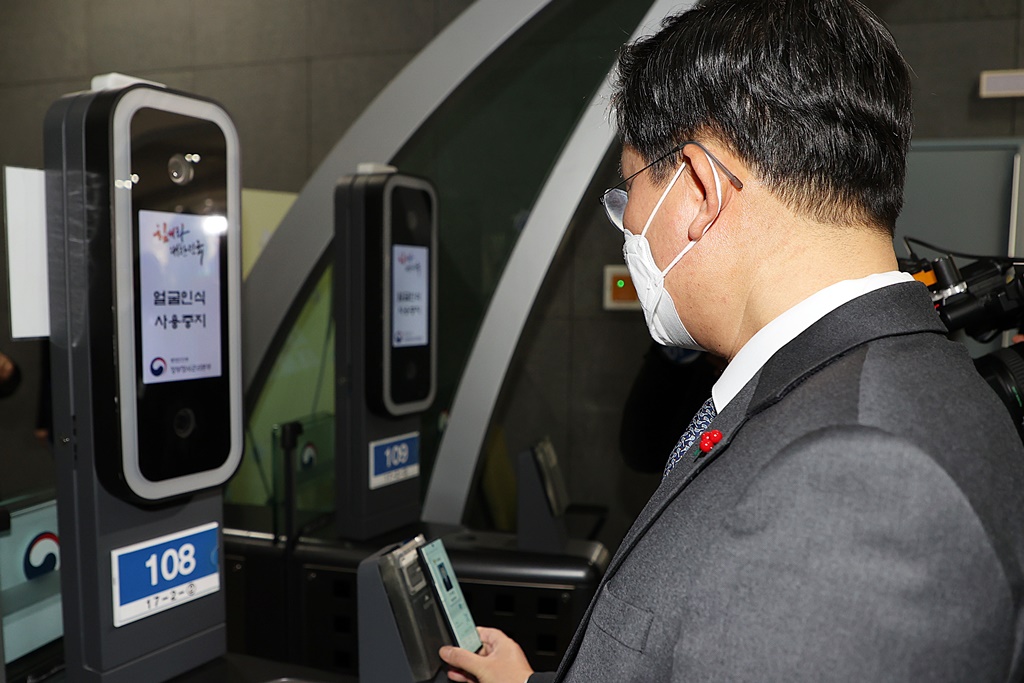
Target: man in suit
x: 849, y: 503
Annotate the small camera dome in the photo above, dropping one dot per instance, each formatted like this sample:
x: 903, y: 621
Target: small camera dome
x: 180, y: 170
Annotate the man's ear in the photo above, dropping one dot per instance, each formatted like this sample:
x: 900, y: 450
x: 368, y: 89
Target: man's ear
x: 704, y: 172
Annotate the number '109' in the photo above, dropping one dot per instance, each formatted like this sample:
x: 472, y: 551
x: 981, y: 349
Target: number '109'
x: 174, y: 562
x: 396, y: 455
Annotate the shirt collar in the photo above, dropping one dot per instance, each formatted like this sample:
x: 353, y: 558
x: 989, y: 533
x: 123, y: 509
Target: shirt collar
x: 786, y: 327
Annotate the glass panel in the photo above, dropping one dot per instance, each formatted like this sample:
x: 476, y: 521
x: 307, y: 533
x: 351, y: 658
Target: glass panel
x: 300, y: 387
x: 29, y: 586
x: 313, y: 468
x: 488, y: 150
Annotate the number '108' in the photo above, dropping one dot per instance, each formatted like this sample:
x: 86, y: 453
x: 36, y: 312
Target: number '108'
x: 174, y: 562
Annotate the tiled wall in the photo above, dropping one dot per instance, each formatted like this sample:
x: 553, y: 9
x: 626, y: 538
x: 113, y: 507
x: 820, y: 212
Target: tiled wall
x: 948, y: 43
x: 293, y: 73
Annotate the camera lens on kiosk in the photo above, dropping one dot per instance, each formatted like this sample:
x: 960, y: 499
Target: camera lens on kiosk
x: 180, y: 170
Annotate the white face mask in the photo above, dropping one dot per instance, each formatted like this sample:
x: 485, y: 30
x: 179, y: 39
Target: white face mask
x: 659, y: 310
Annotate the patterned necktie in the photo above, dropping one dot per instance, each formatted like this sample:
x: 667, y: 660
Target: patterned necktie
x: 700, y: 422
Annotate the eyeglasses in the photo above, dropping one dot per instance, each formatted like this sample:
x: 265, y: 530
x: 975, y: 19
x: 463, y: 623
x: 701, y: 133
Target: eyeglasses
x: 614, y: 199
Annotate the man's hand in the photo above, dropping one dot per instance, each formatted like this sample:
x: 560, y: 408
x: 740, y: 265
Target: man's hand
x: 501, y: 660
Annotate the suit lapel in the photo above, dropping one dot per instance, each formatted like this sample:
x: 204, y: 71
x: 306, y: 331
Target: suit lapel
x: 727, y: 422
x: 894, y: 310
x: 899, y: 309
x: 690, y: 466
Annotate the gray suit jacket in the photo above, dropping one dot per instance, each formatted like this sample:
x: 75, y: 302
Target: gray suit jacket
x: 861, y: 521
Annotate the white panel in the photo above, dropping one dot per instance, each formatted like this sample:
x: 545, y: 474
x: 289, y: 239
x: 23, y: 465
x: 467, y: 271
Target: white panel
x: 25, y: 203
x: 1008, y: 83
x: 31, y: 628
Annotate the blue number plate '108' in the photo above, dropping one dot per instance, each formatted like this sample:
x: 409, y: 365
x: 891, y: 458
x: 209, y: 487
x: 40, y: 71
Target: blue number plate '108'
x: 156, y: 575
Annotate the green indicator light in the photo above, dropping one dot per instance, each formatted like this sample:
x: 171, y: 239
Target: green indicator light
x: 620, y: 284
x: 1016, y: 395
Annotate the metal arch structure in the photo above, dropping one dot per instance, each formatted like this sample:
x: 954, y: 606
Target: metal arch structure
x: 302, y: 238
x: 517, y: 289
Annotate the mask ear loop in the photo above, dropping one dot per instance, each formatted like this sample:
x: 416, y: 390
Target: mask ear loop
x: 664, y: 194
x: 688, y: 247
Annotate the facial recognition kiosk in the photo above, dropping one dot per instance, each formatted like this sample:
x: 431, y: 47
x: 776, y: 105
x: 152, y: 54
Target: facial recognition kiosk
x: 143, y: 201
x: 385, y: 308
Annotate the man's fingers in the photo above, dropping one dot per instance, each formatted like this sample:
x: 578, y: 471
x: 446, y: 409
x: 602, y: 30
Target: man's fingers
x: 461, y: 661
x: 459, y: 658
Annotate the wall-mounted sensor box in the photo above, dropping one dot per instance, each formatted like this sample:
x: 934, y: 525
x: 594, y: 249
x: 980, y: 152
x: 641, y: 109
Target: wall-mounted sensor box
x: 619, y: 292
x: 1002, y: 83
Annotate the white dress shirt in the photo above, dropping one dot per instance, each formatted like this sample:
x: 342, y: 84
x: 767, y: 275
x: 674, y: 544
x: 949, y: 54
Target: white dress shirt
x: 779, y: 332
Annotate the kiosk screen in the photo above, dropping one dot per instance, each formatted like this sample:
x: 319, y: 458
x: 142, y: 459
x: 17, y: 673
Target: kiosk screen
x: 411, y: 295
x: 179, y: 273
x: 411, y: 225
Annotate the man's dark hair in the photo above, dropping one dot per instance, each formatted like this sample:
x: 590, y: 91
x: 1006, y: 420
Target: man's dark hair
x: 813, y: 95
